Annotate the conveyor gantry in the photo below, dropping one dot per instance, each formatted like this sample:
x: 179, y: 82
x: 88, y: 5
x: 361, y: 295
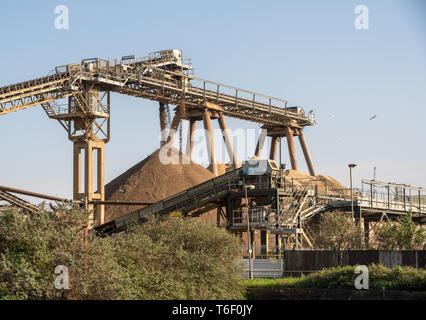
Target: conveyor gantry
x: 160, y: 77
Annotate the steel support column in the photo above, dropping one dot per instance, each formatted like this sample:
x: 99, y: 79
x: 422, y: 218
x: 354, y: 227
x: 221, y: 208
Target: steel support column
x: 173, y: 129
x: 190, y: 141
x: 291, y: 148
x: 89, y: 194
x: 210, y: 142
x: 228, y: 141
x: 273, y: 151
x: 306, y: 153
x: 163, y: 124
x: 260, y: 144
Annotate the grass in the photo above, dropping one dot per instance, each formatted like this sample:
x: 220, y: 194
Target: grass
x: 380, y: 277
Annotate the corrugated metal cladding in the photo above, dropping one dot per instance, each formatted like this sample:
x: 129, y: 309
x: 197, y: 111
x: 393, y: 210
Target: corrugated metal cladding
x: 313, y: 260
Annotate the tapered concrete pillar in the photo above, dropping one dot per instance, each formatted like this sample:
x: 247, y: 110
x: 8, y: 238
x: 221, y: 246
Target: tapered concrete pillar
x: 273, y: 151
x: 210, y: 142
x: 190, y: 143
x: 163, y: 124
x: 291, y: 148
x: 89, y: 194
x: 173, y: 128
x: 228, y: 141
x: 260, y: 144
x: 307, y: 154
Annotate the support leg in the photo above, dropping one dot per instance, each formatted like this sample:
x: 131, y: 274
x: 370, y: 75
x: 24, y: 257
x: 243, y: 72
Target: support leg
x: 163, y: 127
x: 210, y: 142
x: 291, y: 149
x: 273, y: 152
x: 260, y: 144
x: 190, y: 143
x: 307, y: 154
x: 228, y: 141
x: 89, y: 193
x: 173, y: 130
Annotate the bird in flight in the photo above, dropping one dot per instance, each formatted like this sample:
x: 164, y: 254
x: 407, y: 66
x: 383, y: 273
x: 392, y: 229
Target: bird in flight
x: 373, y: 117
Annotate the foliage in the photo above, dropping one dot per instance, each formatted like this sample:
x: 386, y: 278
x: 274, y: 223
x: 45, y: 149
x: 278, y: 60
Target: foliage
x: 173, y: 259
x: 403, y: 234
x: 337, y: 231
x: 380, y: 277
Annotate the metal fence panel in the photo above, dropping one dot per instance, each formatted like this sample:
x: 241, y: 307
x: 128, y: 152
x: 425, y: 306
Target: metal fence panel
x: 314, y: 260
x: 390, y: 259
x: 263, y: 268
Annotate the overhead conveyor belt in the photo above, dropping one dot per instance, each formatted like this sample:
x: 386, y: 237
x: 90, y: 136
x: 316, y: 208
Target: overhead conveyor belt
x: 197, y: 197
x: 140, y: 79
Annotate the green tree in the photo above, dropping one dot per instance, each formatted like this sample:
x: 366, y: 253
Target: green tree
x: 173, y: 259
x: 402, y: 234
x: 336, y: 230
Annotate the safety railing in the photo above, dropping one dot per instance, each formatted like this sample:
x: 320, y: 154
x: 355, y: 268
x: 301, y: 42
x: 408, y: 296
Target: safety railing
x: 18, y: 89
x: 258, y: 215
x: 131, y: 71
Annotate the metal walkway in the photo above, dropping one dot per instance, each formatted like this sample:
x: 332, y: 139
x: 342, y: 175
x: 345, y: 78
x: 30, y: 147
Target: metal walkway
x: 138, y: 78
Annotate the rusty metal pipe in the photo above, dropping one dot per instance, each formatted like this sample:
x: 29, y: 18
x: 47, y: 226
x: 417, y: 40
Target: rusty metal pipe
x: 37, y: 195
x: 118, y: 202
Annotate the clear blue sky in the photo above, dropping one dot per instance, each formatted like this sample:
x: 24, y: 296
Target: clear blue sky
x: 307, y: 52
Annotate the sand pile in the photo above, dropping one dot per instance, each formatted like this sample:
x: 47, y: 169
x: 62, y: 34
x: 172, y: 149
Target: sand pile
x: 150, y: 180
x: 333, y: 186
x: 223, y: 168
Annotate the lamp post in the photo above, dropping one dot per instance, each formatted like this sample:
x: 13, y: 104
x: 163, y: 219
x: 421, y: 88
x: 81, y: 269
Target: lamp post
x: 250, y: 251
x: 351, y: 165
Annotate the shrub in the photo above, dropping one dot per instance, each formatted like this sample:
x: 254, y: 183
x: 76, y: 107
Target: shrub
x: 380, y: 277
x: 337, y: 231
x: 403, y: 234
x: 173, y: 259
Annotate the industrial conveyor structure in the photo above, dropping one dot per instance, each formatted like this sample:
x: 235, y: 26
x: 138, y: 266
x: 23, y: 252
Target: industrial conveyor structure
x: 273, y: 203
x: 276, y: 204
x: 164, y: 77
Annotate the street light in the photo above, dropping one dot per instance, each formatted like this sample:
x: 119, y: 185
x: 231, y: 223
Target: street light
x: 250, y: 251
x: 351, y: 165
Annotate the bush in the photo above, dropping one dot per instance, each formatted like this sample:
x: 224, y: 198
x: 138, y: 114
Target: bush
x: 380, y: 277
x: 174, y: 259
x: 403, y: 234
x: 337, y: 231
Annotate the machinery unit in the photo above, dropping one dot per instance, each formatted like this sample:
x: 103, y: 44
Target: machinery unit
x: 259, y: 167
